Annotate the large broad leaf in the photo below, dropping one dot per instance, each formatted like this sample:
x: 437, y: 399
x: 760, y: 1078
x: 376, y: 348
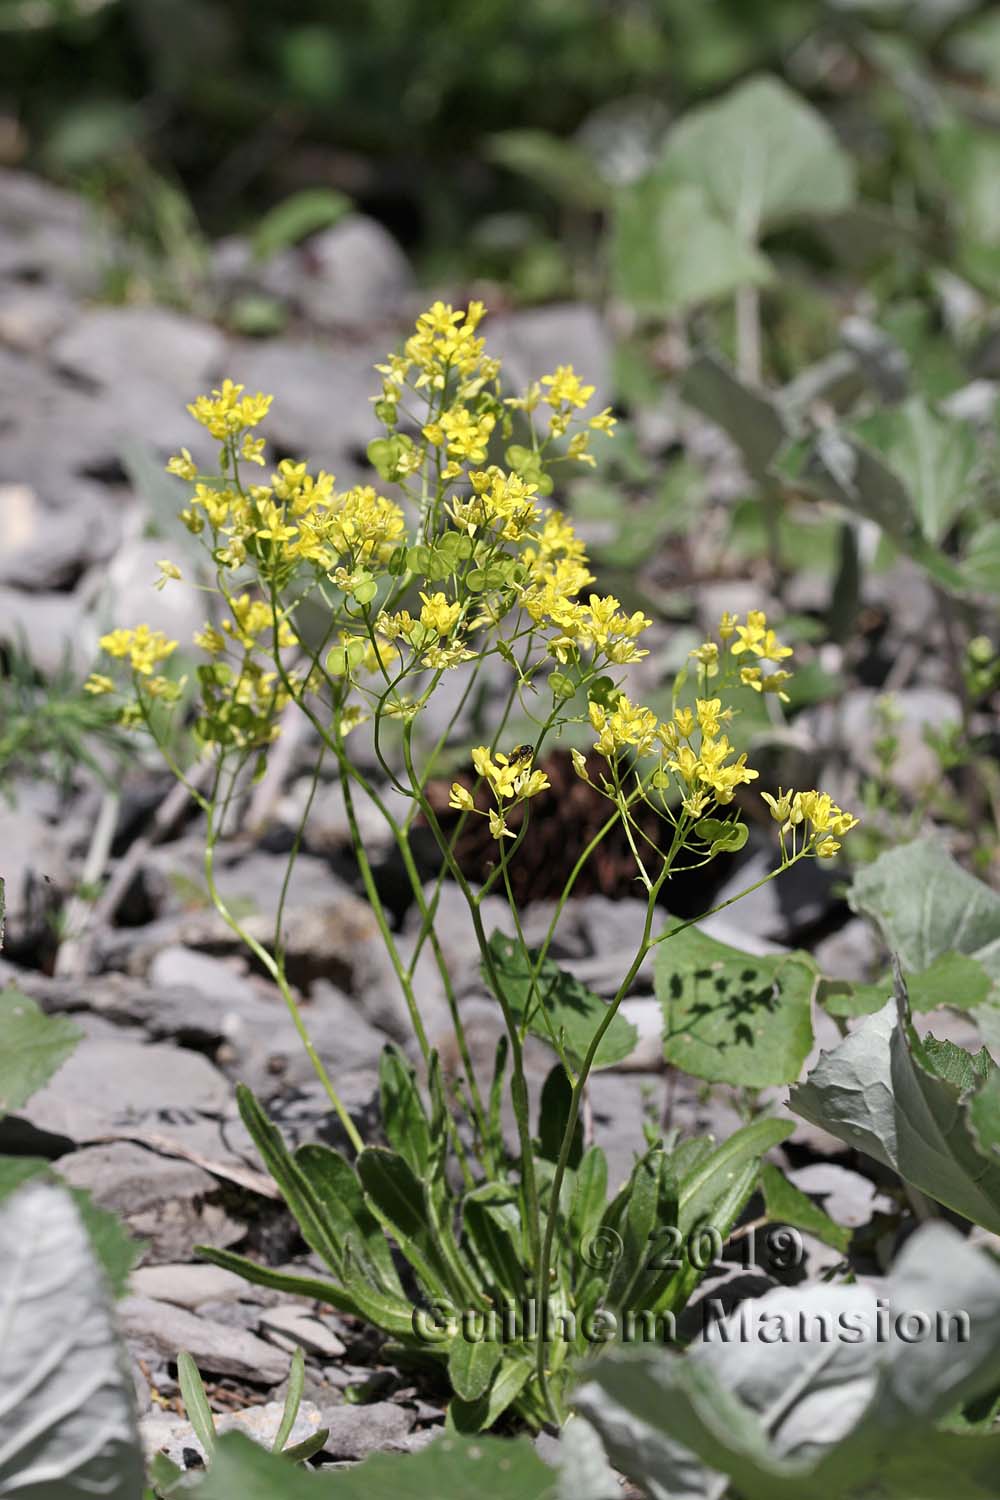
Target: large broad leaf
x: 453, y: 1467
x: 34, y: 1046
x: 110, y: 1241
x: 803, y: 1392
x: 764, y: 157
x: 907, y: 1104
x: 67, y: 1428
x: 672, y: 250
x: 558, y: 1007
x: 981, y: 563
x: 932, y: 912
x: 951, y: 979
x: 730, y: 1017
x: 934, y: 455
x: 927, y: 905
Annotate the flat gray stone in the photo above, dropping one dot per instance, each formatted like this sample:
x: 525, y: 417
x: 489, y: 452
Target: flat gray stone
x: 216, y: 1349
x: 214, y: 978
x: 290, y: 1325
x: 356, y: 1431
x: 115, y: 346
x: 187, y: 1285
x: 171, y: 1435
x: 170, y: 1204
x: 355, y: 275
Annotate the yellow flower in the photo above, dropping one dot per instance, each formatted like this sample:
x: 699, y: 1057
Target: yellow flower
x: 438, y: 614
x: 498, y: 827
x: 565, y: 388
x: 97, y: 683
x: 145, y: 648
x: 461, y: 798
x: 183, y: 465
x: 604, y: 421
x: 227, y: 411
x: 168, y: 570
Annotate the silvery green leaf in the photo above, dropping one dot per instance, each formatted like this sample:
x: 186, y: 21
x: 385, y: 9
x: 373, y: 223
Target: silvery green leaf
x: 671, y: 249
x: 879, y: 1092
x: 752, y: 419
x: 927, y: 905
x: 796, y: 1395
x: 763, y: 155
x: 67, y: 1427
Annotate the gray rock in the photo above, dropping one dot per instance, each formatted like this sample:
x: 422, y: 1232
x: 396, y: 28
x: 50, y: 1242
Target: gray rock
x: 187, y: 1285
x: 32, y: 315
x: 43, y: 550
x: 290, y: 1325
x: 35, y: 871
x: 171, y: 1435
x: 852, y: 952
x: 646, y: 1015
x: 618, y: 1106
x: 46, y: 233
x: 117, y: 1088
x: 128, y: 596
x: 117, y: 347
x: 215, y: 1349
x: 356, y: 1431
x: 170, y: 1204
x: 321, y: 411
x: 215, y: 978
x: 51, y: 629
x: 356, y: 275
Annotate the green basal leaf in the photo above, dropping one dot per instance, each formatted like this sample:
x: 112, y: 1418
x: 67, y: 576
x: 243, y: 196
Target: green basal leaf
x: 199, y: 1413
x: 338, y: 1192
x: 557, y: 1005
x: 297, y: 217
x: 553, y: 1117
x: 471, y: 1366
x: 478, y: 1416
x: 730, y: 1017
x: 398, y: 1200
x: 787, y: 1204
x: 404, y: 1118
x: 34, y: 1047
x: 933, y: 454
x: 449, y: 1468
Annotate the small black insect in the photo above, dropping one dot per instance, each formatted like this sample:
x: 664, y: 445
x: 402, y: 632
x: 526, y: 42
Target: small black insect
x: 521, y: 753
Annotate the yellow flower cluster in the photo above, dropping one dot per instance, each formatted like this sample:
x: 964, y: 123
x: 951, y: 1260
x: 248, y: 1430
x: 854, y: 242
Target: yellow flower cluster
x: 144, y: 648
x: 227, y: 411
x: 816, y: 814
x: 755, y: 638
x: 509, y: 778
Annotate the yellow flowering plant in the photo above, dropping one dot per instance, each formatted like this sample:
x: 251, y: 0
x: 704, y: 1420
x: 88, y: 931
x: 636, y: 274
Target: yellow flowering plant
x: 464, y: 566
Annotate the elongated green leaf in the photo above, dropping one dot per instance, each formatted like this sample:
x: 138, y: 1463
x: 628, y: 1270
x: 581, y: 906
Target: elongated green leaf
x: 338, y: 1192
x: 556, y: 1004
x: 730, y: 1017
x: 787, y: 1204
x: 642, y: 1216
x: 391, y: 1314
x: 34, y: 1047
x: 562, y: 168
x: 491, y: 1220
x: 553, y: 1115
x: 449, y: 1468
x: 590, y: 1191
x: 404, y: 1118
x: 296, y: 217
x: 752, y: 418
x: 398, y: 1201
x: 471, y: 1366
x: 882, y: 1091
x: 479, y: 1416
x: 293, y: 1399
x: 702, y: 1188
x: 298, y: 1193
x: 199, y: 1413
